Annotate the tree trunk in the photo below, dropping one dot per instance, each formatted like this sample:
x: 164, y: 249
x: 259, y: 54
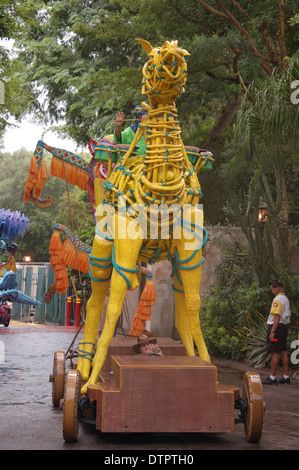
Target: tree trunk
x: 222, y: 122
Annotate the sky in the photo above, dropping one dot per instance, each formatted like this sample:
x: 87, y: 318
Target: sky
x: 27, y: 134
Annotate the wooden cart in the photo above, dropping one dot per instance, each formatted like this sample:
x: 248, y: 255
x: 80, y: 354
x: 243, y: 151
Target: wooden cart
x: 169, y: 393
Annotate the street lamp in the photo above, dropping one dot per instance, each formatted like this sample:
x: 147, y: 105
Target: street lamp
x: 262, y: 216
x: 27, y: 259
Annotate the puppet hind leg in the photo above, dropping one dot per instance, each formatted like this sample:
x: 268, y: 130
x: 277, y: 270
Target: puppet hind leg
x: 188, y: 267
x: 100, y: 270
x: 182, y: 318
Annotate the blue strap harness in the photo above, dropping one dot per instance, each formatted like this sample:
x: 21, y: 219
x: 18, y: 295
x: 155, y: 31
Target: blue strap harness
x: 93, y: 260
x: 177, y: 263
x: 85, y: 354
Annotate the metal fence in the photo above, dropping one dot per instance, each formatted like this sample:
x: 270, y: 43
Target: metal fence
x: 34, y: 279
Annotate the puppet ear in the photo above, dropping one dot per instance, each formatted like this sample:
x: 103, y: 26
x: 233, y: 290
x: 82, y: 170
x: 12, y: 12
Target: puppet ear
x: 146, y: 45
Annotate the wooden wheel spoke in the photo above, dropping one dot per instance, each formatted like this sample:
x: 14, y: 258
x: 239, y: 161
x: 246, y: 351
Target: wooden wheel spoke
x: 253, y: 393
x: 72, y: 393
x: 57, y: 377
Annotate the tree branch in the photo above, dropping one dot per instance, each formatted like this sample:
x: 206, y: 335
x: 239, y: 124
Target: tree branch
x: 281, y: 39
x: 211, y: 9
x: 230, y: 17
x: 207, y: 27
x: 238, y: 74
x: 222, y: 122
x: 241, y: 9
x: 264, y: 30
x: 245, y: 33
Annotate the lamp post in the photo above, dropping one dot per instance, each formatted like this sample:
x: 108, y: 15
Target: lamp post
x: 262, y: 217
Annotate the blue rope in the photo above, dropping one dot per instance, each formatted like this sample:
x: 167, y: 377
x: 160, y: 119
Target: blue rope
x: 91, y: 258
x: 100, y: 259
x: 103, y: 236
x: 177, y: 262
x: 119, y: 269
x: 85, y: 354
x: 97, y: 280
x: 178, y: 290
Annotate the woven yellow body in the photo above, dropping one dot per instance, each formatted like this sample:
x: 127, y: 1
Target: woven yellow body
x: 163, y: 177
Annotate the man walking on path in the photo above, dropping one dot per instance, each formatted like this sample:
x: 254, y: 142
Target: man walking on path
x: 278, y: 320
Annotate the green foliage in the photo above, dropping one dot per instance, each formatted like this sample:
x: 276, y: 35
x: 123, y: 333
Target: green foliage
x: 235, y: 310
x: 265, y: 138
x: 78, y: 61
x: 85, y: 57
x: 230, y: 303
x: 18, y: 93
x: 74, y: 211
x: 255, y: 336
x: 13, y: 174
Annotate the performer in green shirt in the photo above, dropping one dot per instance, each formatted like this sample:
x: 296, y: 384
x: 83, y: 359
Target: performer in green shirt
x: 127, y: 136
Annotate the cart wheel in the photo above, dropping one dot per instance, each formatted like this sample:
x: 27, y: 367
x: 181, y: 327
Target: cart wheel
x: 72, y: 393
x: 57, y: 378
x: 254, y: 414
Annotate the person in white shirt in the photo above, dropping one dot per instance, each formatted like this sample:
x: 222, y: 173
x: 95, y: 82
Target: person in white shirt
x: 279, y: 318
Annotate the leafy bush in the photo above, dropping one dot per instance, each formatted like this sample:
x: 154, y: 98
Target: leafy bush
x: 224, y: 316
x: 231, y: 302
x: 235, y: 311
x: 255, y: 339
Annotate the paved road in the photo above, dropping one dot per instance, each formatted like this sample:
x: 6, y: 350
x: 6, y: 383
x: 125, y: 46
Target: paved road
x: 28, y: 420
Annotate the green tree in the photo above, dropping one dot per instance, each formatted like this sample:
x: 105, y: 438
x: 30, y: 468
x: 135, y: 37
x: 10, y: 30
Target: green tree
x: 13, y: 174
x: 75, y: 213
x: 17, y: 95
x: 83, y: 59
x: 266, y: 139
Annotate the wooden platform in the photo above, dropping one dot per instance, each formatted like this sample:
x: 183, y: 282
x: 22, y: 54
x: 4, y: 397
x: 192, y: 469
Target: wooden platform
x: 123, y: 346
x: 170, y: 393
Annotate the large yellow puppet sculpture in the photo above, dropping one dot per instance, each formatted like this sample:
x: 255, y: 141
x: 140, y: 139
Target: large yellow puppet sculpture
x: 164, y: 176
x: 161, y: 182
